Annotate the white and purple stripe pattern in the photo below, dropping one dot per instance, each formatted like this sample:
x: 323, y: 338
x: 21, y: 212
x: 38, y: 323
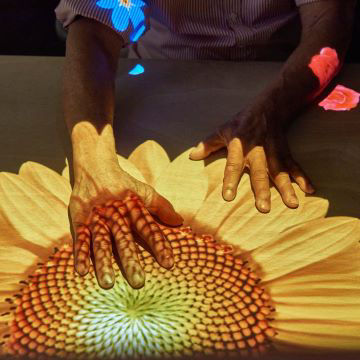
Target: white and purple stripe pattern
x: 204, y: 29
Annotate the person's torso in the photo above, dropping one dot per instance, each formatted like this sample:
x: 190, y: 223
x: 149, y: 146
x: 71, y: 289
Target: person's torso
x: 219, y: 29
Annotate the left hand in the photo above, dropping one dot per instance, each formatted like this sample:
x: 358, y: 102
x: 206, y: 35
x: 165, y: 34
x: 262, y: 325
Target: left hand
x: 260, y: 144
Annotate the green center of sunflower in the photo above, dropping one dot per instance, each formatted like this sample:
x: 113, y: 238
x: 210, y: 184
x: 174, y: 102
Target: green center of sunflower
x: 208, y: 303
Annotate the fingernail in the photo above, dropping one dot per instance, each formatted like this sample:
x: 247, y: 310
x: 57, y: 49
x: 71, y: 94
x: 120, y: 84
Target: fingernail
x: 263, y: 205
x: 195, y: 151
x: 192, y: 155
x: 138, y: 280
x: 166, y: 258
x: 293, y: 200
x: 107, y: 280
x: 81, y: 268
x: 228, y: 195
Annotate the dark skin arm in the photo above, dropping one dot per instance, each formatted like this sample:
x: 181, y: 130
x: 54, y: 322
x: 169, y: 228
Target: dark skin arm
x: 255, y: 137
x: 101, y: 208
x: 324, y: 24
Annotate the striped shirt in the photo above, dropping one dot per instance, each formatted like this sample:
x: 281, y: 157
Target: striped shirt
x: 196, y: 29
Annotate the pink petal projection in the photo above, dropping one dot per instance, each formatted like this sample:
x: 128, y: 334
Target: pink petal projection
x: 341, y: 99
x: 325, y: 65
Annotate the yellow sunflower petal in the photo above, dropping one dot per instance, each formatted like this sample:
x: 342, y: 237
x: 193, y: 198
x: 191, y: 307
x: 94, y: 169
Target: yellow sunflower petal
x: 340, y: 272
x: 239, y: 222
x: 15, y: 265
x: 15, y: 260
x: 4, y: 321
x: 184, y: 184
x: 46, y: 180
x: 333, y: 300
x: 336, y: 335
x: 151, y: 159
x: 249, y: 229
x: 337, y: 305
x: 4, y: 329
x: 215, y: 210
x: 287, y: 289
x: 37, y: 216
x: 304, y: 245
x: 328, y: 290
x: 65, y: 173
x: 10, y: 237
x: 130, y: 168
x: 10, y: 283
x: 215, y: 174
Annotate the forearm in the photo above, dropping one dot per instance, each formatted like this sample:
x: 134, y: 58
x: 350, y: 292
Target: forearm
x: 89, y: 94
x: 296, y: 85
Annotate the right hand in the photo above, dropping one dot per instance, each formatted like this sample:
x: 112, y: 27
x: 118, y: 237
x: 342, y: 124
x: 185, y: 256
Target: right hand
x: 107, y: 203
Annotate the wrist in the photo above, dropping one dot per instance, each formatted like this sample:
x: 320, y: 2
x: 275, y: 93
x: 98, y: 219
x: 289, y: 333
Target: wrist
x: 91, y: 148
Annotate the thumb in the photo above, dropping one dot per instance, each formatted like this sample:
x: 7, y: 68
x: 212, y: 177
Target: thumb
x: 161, y: 207
x: 206, y: 147
x: 166, y: 212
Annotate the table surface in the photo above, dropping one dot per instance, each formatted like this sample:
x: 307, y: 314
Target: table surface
x: 177, y: 103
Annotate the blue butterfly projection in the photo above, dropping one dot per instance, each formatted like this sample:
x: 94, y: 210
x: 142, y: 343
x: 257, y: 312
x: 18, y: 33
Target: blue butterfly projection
x: 137, y: 70
x: 123, y: 11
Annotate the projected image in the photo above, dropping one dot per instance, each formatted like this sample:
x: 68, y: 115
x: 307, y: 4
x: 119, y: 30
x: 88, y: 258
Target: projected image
x: 341, y: 99
x: 124, y: 12
x: 243, y: 283
x: 137, y: 70
x: 325, y: 65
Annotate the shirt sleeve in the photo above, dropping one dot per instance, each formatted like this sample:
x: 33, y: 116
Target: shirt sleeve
x: 129, y: 18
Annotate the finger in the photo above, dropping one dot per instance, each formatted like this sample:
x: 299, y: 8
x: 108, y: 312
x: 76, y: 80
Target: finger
x: 260, y: 179
x: 233, y: 169
x: 300, y: 177
x: 294, y: 168
x: 82, y: 249
x: 211, y: 144
x: 128, y: 253
x: 101, y: 242
x: 116, y: 214
x: 150, y: 232
x: 282, y: 181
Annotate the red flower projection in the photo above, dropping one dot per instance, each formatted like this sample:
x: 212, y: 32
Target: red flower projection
x: 325, y: 65
x: 341, y: 99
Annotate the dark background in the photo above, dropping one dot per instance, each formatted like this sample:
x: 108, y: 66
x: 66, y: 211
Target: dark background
x: 27, y: 27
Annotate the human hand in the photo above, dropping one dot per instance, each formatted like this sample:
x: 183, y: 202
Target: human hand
x: 259, y: 144
x: 106, y: 205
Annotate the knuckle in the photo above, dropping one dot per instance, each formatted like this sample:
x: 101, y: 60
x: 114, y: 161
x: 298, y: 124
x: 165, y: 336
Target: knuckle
x: 282, y: 177
x: 286, y: 188
x: 260, y: 175
x: 233, y: 167
x: 257, y: 150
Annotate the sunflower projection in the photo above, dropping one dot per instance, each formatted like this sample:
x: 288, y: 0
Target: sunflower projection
x: 243, y: 283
